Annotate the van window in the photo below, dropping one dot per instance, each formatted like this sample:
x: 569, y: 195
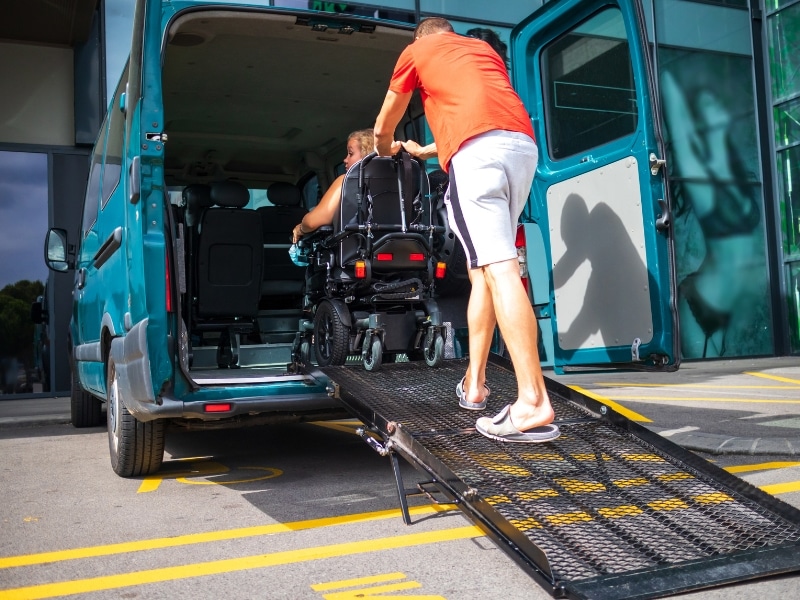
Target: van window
x: 90, y: 204
x: 113, y: 166
x: 590, y: 95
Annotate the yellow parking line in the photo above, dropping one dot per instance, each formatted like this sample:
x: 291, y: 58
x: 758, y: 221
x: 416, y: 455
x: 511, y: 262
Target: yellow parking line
x: 211, y: 536
x: 761, y: 466
x: 705, y: 399
x: 625, y: 384
x: 109, y: 582
x: 633, y: 416
x: 781, y: 488
x: 774, y: 377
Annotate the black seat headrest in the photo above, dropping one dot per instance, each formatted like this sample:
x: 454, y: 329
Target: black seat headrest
x: 281, y: 193
x: 196, y: 198
x: 229, y: 194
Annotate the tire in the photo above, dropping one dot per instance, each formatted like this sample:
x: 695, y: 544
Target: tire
x: 434, y: 348
x: 136, y: 447
x: 86, y: 410
x: 331, y: 337
x: 305, y: 352
x: 373, y: 358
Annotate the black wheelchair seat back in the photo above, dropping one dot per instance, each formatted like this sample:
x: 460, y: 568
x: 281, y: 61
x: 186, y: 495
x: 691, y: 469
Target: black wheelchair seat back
x: 384, y: 212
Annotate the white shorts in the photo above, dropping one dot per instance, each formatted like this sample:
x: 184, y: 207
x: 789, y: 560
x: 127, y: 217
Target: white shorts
x: 490, y: 180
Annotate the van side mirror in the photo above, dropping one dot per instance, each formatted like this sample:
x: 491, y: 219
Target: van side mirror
x: 55, y: 251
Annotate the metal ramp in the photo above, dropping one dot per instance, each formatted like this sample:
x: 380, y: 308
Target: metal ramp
x: 609, y: 510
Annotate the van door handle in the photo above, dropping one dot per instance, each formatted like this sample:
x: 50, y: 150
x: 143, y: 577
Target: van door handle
x: 81, y: 279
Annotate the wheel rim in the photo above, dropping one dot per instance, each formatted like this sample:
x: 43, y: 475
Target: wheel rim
x: 325, y: 334
x: 113, y: 409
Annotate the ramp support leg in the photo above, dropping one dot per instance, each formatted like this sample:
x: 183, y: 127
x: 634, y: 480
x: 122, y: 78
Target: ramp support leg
x: 402, y: 493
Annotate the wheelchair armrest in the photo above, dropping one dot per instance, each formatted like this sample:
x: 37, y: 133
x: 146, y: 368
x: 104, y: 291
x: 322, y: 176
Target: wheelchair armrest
x: 309, y: 239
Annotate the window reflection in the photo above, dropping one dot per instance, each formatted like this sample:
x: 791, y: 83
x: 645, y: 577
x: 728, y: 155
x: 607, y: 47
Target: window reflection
x: 23, y: 223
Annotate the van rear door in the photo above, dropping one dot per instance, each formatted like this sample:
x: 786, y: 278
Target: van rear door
x: 598, y: 230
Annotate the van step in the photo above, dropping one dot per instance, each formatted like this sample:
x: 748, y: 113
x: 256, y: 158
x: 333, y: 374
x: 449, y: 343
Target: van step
x: 609, y: 511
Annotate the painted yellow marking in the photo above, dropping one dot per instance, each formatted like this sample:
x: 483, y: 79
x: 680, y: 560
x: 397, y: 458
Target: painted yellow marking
x: 202, y: 468
x: 212, y: 536
x: 713, y: 498
x: 270, y: 474
x: 372, y: 592
x: 617, y: 512
x: 578, y: 486
x: 343, y: 583
x: 781, y: 488
x: 198, y: 467
x: 260, y: 561
x: 347, y: 425
x: 761, y: 466
x: 703, y: 386
x: 525, y: 524
x: 626, y: 412
x: 569, y: 518
x: 668, y: 504
x: 702, y: 399
x: 774, y: 377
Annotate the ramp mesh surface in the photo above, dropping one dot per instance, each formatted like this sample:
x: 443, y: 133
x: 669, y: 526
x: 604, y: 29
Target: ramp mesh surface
x: 597, y: 501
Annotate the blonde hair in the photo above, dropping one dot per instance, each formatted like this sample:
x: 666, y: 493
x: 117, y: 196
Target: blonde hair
x: 365, y: 139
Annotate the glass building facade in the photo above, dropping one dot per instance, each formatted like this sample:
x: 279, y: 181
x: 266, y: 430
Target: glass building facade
x: 730, y: 97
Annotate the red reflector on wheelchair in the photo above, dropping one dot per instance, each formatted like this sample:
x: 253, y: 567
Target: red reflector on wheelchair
x: 384, y: 256
x: 361, y: 269
x: 215, y: 408
x: 416, y: 256
x: 441, y: 270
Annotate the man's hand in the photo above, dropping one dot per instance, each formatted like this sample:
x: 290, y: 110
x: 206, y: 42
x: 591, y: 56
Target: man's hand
x: 394, y: 105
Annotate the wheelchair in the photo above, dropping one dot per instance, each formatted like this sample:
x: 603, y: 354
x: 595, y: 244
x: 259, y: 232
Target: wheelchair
x: 370, y: 281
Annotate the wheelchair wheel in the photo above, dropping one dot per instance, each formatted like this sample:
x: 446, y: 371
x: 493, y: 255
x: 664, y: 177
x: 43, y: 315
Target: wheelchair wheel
x: 373, y: 353
x: 331, y: 337
x: 434, y: 348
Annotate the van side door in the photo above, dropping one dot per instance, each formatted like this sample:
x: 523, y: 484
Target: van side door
x: 599, y: 206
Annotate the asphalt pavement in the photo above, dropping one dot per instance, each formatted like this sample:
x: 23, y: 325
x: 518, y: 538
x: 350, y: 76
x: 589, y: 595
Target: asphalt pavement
x: 732, y: 406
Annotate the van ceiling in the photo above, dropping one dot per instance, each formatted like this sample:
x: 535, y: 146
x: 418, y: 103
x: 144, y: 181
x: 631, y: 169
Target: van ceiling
x: 248, y: 94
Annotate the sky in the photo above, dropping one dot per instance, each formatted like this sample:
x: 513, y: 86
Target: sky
x: 23, y: 216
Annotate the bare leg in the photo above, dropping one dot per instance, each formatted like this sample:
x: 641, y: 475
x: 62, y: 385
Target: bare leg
x: 481, y: 322
x: 517, y: 324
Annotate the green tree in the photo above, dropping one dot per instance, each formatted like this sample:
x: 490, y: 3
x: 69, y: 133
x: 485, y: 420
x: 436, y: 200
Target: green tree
x: 16, y: 327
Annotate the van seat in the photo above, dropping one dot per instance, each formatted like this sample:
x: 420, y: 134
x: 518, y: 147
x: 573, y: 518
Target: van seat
x: 281, y: 275
x: 229, y: 265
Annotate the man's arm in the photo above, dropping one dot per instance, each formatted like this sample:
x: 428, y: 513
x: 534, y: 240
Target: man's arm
x: 394, y: 105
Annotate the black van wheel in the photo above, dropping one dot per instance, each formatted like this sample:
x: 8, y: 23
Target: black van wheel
x: 330, y: 335
x: 85, y: 410
x: 373, y: 353
x: 434, y: 348
x: 136, y: 447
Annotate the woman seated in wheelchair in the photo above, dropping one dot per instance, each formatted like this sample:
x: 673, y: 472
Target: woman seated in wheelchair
x: 359, y: 144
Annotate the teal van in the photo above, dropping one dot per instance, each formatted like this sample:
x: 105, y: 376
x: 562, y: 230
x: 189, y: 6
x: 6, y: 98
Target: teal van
x: 228, y: 122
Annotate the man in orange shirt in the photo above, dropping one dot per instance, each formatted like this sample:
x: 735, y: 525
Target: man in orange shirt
x: 484, y: 140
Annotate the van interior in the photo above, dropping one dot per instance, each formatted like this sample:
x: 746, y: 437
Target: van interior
x: 257, y: 109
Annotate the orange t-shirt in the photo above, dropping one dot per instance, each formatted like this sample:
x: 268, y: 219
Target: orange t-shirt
x: 464, y: 87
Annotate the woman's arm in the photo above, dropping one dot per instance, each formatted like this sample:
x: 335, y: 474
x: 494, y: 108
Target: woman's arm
x: 322, y: 213
x: 421, y: 152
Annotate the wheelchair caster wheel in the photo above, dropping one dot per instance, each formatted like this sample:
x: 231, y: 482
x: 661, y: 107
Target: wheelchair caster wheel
x: 373, y: 353
x: 434, y: 348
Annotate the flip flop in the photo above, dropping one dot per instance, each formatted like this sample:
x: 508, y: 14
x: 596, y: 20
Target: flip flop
x: 502, y: 429
x: 462, y: 400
